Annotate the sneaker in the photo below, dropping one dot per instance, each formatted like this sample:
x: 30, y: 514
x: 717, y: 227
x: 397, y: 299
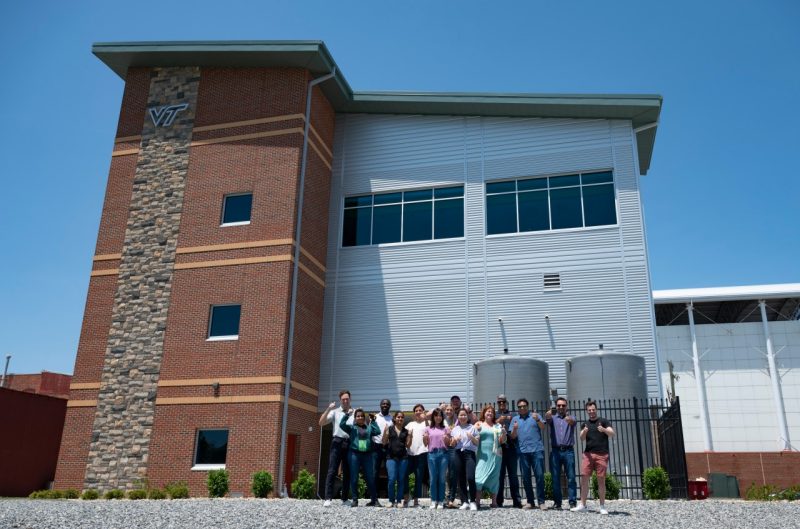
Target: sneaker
x: 472, y: 506
x: 327, y: 503
x: 348, y: 503
x: 440, y: 505
x: 401, y: 505
x: 580, y: 507
x: 557, y: 506
x: 464, y: 506
x: 542, y: 507
x: 373, y: 504
x: 572, y: 504
x: 529, y: 506
x: 416, y: 503
x: 603, y: 510
x: 354, y: 503
x: 517, y: 505
x: 433, y: 505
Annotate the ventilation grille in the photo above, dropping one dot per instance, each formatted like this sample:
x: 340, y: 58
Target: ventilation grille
x: 552, y: 281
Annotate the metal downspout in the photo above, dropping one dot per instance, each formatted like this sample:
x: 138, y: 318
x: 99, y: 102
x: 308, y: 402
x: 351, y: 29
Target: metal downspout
x: 776, y: 383
x: 295, y: 272
x: 701, y: 383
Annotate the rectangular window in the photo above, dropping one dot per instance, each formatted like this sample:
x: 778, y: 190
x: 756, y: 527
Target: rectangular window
x: 236, y: 209
x: 550, y: 203
x: 224, y: 322
x: 211, y: 449
x: 404, y: 216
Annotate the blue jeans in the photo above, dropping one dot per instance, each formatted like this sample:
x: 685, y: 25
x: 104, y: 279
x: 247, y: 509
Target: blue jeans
x: 565, y: 458
x: 362, y: 460
x: 437, y: 467
x: 532, y: 461
x: 396, y: 469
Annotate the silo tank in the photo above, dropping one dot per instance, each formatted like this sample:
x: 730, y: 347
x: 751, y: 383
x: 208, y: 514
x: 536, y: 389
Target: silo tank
x: 513, y: 376
x: 603, y: 375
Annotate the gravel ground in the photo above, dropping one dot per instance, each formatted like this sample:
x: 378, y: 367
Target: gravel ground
x: 246, y: 513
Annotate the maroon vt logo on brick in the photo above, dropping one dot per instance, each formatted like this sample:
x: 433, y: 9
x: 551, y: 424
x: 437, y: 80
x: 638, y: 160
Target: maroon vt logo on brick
x: 164, y: 116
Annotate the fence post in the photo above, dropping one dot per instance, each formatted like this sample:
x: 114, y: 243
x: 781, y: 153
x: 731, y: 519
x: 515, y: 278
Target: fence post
x: 638, y: 435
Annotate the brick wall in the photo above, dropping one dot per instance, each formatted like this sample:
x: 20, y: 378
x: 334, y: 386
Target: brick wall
x: 268, y: 166
x: 781, y: 469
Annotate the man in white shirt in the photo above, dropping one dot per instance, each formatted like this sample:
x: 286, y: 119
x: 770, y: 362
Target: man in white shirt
x: 340, y: 443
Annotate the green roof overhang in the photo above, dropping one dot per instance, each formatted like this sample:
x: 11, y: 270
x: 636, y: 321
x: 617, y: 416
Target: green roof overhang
x: 642, y: 110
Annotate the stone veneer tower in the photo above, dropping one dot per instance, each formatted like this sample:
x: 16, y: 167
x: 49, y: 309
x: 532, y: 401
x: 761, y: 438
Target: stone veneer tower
x: 126, y: 401
x: 147, y: 377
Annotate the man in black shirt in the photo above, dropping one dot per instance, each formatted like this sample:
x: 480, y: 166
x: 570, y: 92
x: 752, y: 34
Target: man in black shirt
x: 594, y: 433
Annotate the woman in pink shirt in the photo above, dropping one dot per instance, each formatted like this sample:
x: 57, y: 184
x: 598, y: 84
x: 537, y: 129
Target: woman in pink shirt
x: 437, y: 456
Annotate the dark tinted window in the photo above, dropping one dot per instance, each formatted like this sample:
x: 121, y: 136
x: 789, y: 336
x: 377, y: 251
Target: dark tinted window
x: 212, y: 447
x: 533, y: 211
x: 598, y: 205
x: 425, y: 194
x: 597, y: 178
x: 561, y: 181
x: 225, y: 320
x: 386, y: 223
x: 565, y: 207
x: 448, y: 192
x: 237, y: 208
x: 501, y: 213
x: 501, y: 187
x: 417, y: 221
x: 532, y: 183
x: 448, y: 218
x: 388, y: 198
x: 352, y: 202
x: 357, y: 225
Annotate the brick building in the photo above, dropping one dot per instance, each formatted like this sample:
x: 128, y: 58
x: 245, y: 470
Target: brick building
x: 269, y: 235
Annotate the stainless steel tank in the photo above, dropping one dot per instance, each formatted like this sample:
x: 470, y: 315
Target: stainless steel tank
x: 604, y: 374
x: 513, y: 376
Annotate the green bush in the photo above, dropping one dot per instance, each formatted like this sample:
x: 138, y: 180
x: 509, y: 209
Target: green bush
x: 217, y: 483
x: 613, y: 486
x: 362, y: 487
x: 790, y: 494
x: 46, y: 495
x: 114, y: 494
x: 177, y: 490
x: 305, y: 486
x: 655, y: 484
x: 72, y: 494
x: 262, y: 484
x: 548, y: 486
x: 90, y: 494
x: 156, y: 494
x: 412, y: 482
x: 137, y: 494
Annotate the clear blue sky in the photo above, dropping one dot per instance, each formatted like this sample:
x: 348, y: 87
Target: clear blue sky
x: 721, y: 198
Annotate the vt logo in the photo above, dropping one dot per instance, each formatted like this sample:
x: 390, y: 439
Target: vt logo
x: 164, y: 116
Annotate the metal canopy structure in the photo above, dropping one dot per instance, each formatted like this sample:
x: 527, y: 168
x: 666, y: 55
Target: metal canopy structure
x: 641, y: 109
x: 727, y: 304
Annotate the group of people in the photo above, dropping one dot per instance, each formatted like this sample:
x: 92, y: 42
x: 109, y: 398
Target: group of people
x: 465, y: 453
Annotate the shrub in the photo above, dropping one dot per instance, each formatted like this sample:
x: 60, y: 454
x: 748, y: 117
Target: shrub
x: 177, y: 490
x: 548, y: 486
x: 72, y: 494
x: 262, y: 484
x: 46, y: 495
x: 304, y: 487
x: 156, y: 494
x: 655, y: 484
x: 412, y: 482
x: 790, y: 494
x: 137, y: 494
x: 759, y: 492
x: 217, y: 483
x: 114, y: 494
x: 362, y: 487
x: 90, y: 494
x: 613, y: 486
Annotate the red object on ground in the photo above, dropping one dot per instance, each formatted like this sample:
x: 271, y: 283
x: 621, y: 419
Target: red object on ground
x: 698, y: 489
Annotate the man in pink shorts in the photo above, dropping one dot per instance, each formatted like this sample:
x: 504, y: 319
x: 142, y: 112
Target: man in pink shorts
x: 594, y: 433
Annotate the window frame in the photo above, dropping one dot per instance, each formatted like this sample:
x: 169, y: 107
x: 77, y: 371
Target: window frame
x: 547, y: 189
x: 208, y: 466
x: 222, y: 337
x: 222, y: 223
x: 402, y: 203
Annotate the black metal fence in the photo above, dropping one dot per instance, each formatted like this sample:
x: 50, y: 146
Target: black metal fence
x: 649, y: 433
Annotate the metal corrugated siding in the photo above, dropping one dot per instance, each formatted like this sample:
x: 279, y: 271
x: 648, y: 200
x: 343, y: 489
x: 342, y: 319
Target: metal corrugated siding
x: 407, y: 321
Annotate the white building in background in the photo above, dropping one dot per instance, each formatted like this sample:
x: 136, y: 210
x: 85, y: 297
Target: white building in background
x: 745, y: 342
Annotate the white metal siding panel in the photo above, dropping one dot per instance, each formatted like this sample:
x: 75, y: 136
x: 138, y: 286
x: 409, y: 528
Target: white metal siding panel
x: 407, y: 321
